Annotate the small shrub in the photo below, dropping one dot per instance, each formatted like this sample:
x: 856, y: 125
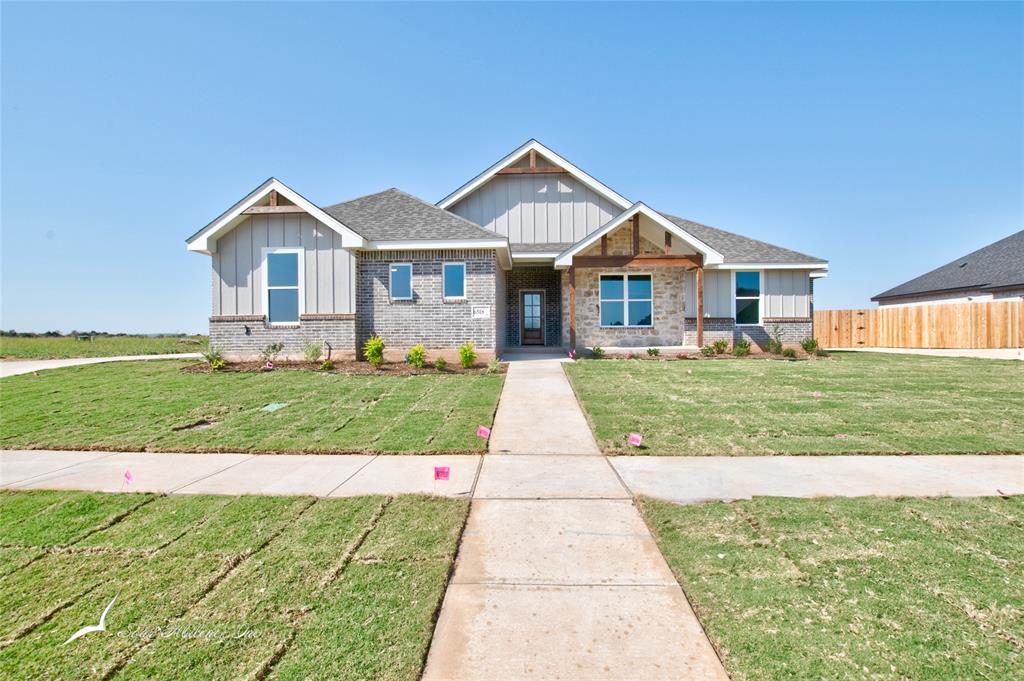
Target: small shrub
x: 467, y: 355
x: 313, y: 350
x: 327, y: 365
x: 820, y: 352
x: 789, y: 353
x: 708, y: 351
x: 494, y: 365
x: 597, y: 351
x: 417, y: 357
x: 373, y: 351
x: 215, y: 359
x: 268, y: 355
x: 775, y: 342
x: 741, y: 348
x: 630, y: 355
x: 440, y: 364
x: 720, y: 346
x: 653, y: 352
x: 809, y: 345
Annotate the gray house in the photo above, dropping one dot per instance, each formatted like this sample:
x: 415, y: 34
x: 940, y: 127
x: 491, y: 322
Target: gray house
x: 531, y: 252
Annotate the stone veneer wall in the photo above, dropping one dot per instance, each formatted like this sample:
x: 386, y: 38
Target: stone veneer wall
x: 242, y: 337
x: 521, y: 279
x: 427, y: 318
x: 792, y: 331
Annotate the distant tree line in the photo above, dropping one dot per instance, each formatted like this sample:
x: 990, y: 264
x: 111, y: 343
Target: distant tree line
x: 70, y: 334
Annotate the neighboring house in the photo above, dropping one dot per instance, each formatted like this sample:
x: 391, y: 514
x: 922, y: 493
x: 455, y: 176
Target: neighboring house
x: 994, y: 272
x: 532, y: 251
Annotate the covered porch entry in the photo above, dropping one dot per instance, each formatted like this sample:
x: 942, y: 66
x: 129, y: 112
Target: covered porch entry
x: 533, y: 307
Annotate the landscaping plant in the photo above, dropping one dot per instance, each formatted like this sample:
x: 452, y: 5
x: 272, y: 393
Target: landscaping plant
x: 741, y: 348
x: 708, y: 351
x: 775, y: 340
x: 417, y: 357
x: 373, y: 351
x: 215, y: 359
x: 653, y: 352
x: 597, y: 351
x: 268, y: 355
x: 789, y: 353
x: 327, y: 365
x: 820, y: 352
x: 467, y: 355
x: 809, y: 345
x: 720, y: 346
x: 494, y: 365
x: 440, y: 364
x: 313, y: 350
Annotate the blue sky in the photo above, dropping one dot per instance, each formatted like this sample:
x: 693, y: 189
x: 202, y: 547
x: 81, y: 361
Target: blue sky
x: 887, y: 138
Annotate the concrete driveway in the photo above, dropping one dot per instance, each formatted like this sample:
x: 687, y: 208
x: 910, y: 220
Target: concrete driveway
x: 14, y: 367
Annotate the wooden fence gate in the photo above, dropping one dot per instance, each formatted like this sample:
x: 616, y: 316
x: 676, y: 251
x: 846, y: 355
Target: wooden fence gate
x: 995, y: 324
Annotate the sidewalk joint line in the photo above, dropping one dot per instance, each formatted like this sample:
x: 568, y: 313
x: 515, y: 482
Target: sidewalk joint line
x: 354, y: 474
x: 200, y: 479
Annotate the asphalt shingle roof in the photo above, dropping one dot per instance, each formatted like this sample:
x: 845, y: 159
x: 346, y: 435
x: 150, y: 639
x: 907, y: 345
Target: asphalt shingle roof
x: 998, y: 265
x: 540, y: 248
x: 393, y: 215
x: 736, y: 248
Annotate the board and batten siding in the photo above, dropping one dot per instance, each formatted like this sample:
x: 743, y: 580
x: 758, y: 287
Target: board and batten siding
x: 786, y: 293
x: 535, y: 209
x: 238, y: 265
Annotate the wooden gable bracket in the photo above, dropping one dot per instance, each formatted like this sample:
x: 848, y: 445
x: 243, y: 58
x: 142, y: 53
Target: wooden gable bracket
x: 532, y: 169
x: 273, y: 206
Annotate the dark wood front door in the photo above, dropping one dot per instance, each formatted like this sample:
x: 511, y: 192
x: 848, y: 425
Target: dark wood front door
x: 532, y: 326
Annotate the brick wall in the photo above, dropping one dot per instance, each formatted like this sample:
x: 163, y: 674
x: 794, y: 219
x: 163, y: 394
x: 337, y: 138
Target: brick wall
x: 427, y: 318
x: 792, y: 331
x: 521, y: 279
x: 243, y: 337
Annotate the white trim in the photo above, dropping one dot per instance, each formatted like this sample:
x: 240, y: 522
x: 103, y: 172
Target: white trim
x: 434, y: 244
x: 533, y: 145
x: 711, y: 256
x: 300, y: 264
x: 205, y: 240
x: 626, y: 300
x: 444, y: 277
x: 391, y: 286
x: 534, y: 257
x: 760, y: 296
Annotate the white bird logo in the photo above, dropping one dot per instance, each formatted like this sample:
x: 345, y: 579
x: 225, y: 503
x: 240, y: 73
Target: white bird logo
x: 102, y: 626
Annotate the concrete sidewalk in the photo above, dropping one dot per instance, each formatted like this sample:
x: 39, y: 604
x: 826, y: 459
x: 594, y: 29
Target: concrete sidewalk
x: 980, y: 353
x: 14, y: 367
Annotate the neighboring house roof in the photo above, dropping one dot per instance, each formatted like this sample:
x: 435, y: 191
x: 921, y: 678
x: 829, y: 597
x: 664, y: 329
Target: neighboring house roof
x: 997, y: 266
x: 393, y: 215
x: 205, y: 240
x: 535, y: 146
x: 740, y: 249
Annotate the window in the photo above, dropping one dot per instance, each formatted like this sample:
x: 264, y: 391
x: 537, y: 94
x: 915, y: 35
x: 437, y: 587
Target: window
x: 748, y: 298
x: 454, y: 276
x: 284, y: 285
x: 400, y: 281
x: 626, y: 300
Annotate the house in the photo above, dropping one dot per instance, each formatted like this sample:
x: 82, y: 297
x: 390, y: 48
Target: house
x: 995, y: 272
x: 531, y: 252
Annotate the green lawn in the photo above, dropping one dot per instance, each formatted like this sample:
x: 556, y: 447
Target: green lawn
x: 101, y: 346
x: 222, y: 587
x: 149, y: 406
x: 854, y: 403
x: 853, y: 588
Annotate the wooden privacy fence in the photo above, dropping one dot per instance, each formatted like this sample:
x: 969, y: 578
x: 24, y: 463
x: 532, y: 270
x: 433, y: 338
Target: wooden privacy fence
x: 995, y: 324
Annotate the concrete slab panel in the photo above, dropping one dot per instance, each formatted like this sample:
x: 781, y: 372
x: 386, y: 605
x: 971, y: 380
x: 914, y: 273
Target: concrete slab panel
x: 26, y: 366
x: 20, y: 465
x: 563, y: 542
x: 548, y: 477
x: 549, y: 632
x: 163, y: 473
x: 315, y: 475
x: 413, y: 475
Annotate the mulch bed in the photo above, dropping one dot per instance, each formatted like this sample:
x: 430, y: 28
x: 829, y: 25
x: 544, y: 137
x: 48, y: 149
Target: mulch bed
x: 345, y: 367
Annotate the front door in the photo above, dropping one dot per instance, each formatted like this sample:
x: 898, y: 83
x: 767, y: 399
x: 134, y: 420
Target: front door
x: 532, y: 327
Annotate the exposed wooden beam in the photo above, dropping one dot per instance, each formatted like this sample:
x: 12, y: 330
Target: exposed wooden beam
x: 636, y: 234
x: 572, y: 308
x: 273, y: 197
x: 700, y: 307
x: 530, y: 171
x: 642, y: 260
x: 668, y: 242
x: 257, y: 210
x: 533, y: 158
x: 604, y: 244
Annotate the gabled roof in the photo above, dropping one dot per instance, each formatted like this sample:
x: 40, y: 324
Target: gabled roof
x: 507, y: 161
x: 205, y: 240
x: 711, y: 255
x: 393, y: 215
x: 999, y: 265
x: 740, y: 249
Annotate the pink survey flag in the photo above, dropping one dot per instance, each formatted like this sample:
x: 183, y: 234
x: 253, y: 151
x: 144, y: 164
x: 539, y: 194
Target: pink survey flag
x: 128, y: 478
x: 441, y: 472
x: 484, y: 432
x: 635, y: 439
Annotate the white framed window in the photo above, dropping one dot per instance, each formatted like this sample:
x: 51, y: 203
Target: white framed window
x: 283, y: 285
x: 453, y: 280
x: 626, y: 300
x: 400, y: 281
x: 747, y: 297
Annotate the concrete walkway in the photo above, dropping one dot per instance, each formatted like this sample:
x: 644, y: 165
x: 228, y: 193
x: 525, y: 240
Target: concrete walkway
x: 13, y: 367
x: 980, y: 353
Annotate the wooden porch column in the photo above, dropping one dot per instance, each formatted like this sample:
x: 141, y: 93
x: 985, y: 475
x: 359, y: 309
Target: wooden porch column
x: 572, y: 308
x: 636, y: 234
x: 700, y: 306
